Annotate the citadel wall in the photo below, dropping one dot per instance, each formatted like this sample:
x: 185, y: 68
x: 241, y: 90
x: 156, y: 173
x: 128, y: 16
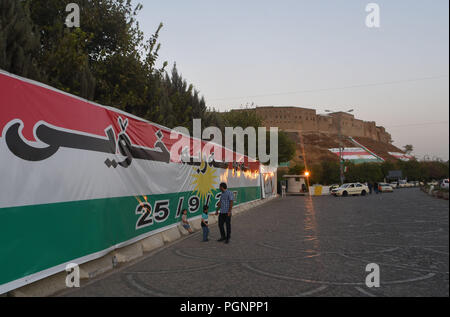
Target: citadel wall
x: 294, y: 119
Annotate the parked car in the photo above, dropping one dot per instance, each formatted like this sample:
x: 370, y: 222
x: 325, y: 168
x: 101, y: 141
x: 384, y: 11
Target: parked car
x: 350, y: 189
x: 443, y: 183
x: 385, y: 188
x: 334, y: 186
x: 393, y: 184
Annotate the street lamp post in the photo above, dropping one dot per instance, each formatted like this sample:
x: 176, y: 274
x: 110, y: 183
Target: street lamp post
x: 341, y: 149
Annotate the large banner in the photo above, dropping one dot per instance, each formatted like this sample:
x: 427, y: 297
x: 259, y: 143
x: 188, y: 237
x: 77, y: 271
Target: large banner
x: 355, y: 155
x: 401, y: 156
x: 80, y: 179
x: 358, y: 154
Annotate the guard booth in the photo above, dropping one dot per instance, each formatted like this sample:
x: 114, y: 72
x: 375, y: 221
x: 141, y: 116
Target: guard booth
x: 296, y: 184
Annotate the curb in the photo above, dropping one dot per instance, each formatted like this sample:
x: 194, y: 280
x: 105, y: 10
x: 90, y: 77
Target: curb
x: 435, y: 193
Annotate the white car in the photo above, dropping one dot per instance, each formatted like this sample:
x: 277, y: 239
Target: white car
x: 444, y: 183
x: 393, y: 184
x: 385, y: 188
x: 350, y: 189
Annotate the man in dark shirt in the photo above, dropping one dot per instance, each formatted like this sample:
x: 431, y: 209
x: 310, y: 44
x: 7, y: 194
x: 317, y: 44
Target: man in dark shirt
x: 225, y: 206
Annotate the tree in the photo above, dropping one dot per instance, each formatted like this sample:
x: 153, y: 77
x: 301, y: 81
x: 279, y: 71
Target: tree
x: 408, y: 148
x: 182, y: 103
x: 107, y: 61
x: 330, y: 173
x: 247, y: 117
x: 19, y: 40
x: 297, y: 169
x: 242, y: 118
x: 286, y: 147
x: 387, y: 166
x: 104, y: 60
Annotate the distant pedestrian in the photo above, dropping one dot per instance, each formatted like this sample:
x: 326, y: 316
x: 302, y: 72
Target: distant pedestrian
x: 205, y: 228
x: 304, y: 188
x: 184, y: 221
x: 225, y: 206
x: 283, y: 189
x: 375, y: 187
x: 370, y: 187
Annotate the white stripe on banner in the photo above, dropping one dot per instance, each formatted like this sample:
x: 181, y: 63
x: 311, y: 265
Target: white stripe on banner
x: 348, y: 149
x: 68, y: 168
x: 359, y: 157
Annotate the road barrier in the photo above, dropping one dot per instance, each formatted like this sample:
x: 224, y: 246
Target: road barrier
x: 319, y: 190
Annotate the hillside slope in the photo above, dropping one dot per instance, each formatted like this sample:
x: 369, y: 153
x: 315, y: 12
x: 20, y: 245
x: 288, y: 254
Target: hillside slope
x: 317, y: 144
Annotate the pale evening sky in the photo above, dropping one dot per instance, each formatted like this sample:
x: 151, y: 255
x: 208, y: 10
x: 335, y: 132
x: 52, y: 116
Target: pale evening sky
x: 296, y: 53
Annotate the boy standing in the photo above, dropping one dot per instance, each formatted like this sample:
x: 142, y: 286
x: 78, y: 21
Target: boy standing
x: 205, y: 223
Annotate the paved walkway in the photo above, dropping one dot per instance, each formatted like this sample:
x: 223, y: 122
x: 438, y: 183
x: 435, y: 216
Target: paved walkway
x: 303, y: 246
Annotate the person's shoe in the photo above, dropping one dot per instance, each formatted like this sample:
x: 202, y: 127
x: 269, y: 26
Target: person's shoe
x: 221, y: 239
x: 227, y: 241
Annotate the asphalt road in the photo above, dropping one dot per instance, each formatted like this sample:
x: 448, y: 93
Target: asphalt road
x: 303, y: 246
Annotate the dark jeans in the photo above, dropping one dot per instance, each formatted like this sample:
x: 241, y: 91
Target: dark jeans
x: 225, y: 219
x: 205, y: 233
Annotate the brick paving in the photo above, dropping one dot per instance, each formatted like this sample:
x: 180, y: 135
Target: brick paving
x: 302, y: 246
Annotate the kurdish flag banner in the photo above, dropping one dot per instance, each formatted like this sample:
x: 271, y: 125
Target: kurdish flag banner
x: 359, y: 154
x: 401, y: 156
x: 355, y: 155
x: 79, y: 179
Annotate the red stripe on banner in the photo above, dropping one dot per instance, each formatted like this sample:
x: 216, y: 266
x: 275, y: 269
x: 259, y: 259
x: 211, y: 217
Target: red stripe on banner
x: 31, y: 103
x: 353, y: 153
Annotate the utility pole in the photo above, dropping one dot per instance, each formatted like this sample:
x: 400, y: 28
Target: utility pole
x: 341, y: 161
x: 341, y: 145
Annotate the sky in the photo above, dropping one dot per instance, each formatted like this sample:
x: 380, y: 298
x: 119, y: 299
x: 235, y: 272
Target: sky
x: 316, y: 54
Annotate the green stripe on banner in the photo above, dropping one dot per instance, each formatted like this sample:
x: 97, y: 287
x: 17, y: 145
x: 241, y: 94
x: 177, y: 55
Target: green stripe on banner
x: 359, y: 161
x: 52, y: 234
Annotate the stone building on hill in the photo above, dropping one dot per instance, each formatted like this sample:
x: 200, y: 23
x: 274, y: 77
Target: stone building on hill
x: 295, y: 119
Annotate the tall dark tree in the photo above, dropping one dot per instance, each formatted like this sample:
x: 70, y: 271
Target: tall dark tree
x: 63, y: 53
x: 182, y: 103
x: 19, y: 40
x: 105, y: 60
